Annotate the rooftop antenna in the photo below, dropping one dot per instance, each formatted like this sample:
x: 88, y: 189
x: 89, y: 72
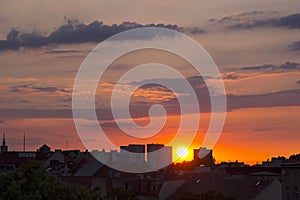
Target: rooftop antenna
x: 24, y: 142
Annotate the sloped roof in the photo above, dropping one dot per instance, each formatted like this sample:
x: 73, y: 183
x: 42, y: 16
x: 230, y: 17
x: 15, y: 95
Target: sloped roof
x: 243, y: 188
x: 45, y: 146
x: 90, y: 167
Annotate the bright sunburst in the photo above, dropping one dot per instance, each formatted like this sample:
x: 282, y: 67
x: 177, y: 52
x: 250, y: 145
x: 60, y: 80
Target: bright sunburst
x: 182, y: 152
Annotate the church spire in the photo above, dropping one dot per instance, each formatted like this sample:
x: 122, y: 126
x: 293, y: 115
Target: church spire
x: 4, y: 147
x: 3, y: 140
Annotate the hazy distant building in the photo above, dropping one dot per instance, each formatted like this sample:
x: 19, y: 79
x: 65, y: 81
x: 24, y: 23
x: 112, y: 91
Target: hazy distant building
x: 4, y: 147
x: 133, y: 153
x: 161, y: 158
x: 114, y: 156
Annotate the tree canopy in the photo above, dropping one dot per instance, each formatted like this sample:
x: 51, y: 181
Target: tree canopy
x: 32, y: 182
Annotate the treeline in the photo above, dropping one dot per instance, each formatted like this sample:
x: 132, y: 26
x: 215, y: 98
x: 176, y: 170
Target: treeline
x: 32, y: 182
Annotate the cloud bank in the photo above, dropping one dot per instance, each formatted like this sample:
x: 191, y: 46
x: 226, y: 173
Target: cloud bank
x: 75, y: 32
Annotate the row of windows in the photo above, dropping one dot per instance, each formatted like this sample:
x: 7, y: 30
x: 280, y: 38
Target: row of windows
x: 292, y: 193
x: 289, y: 174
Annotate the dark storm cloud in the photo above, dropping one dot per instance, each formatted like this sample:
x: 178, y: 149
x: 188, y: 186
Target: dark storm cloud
x: 287, y: 66
x: 290, y: 21
x: 75, y: 32
x: 295, y: 46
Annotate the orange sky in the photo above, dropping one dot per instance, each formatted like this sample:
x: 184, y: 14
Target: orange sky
x: 250, y: 135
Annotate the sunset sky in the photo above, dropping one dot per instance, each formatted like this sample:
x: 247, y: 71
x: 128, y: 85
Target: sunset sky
x: 255, y: 44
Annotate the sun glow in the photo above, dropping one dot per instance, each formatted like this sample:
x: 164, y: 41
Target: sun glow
x: 182, y: 152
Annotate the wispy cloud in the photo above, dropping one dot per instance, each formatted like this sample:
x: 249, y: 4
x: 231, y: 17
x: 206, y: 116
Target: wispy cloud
x: 289, y: 21
x: 255, y: 14
x: 64, y: 51
x: 141, y: 109
x: 282, y: 98
x: 236, y: 76
x: 295, y: 46
x: 287, y: 66
x: 26, y: 87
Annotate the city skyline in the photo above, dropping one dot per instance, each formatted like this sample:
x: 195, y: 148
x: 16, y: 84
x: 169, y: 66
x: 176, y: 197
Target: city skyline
x: 255, y: 46
x: 114, y: 154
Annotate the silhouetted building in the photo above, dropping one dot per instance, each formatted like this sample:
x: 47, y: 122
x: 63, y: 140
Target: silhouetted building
x: 61, y: 162
x: 290, y: 180
x: 163, y: 156
x: 235, y: 164
x: 203, y: 156
x: 154, y: 147
x: 44, y: 149
x: 4, y: 147
x: 11, y: 160
x: 275, y: 162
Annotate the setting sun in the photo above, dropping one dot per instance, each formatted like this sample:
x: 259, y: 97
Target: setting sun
x: 182, y: 152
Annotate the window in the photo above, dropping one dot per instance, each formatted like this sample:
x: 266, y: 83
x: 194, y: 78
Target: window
x: 117, y: 175
x: 287, y: 192
x: 144, y: 187
x: 154, y: 187
x: 129, y: 186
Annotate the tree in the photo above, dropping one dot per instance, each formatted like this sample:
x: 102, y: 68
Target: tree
x: 31, y: 182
